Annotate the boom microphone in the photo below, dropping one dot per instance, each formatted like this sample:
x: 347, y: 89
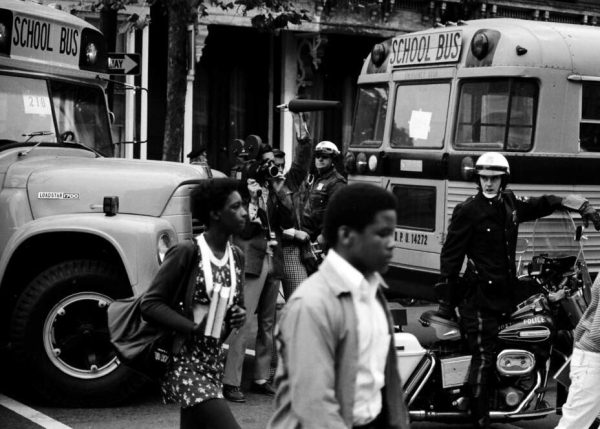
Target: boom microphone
x: 297, y: 106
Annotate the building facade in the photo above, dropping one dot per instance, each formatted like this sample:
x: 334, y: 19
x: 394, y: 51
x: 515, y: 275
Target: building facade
x: 243, y: 73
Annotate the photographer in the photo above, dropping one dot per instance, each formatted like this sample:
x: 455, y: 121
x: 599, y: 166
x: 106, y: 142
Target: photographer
x: 269, y: 212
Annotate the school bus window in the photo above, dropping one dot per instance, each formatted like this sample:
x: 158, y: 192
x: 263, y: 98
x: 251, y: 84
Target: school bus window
x: 24, y: 110
x: 417, y: 206
x: 589, y: 128
x: 371, y: 108
x: 420, y: 115
x: 496, y: 114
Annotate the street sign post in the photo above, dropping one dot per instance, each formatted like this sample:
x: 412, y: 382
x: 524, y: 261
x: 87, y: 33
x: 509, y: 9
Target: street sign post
x: 120, y: 63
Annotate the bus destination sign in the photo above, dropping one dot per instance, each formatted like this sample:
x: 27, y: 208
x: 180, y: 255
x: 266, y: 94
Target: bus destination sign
x: 45, y: 40
x: 425, y: 49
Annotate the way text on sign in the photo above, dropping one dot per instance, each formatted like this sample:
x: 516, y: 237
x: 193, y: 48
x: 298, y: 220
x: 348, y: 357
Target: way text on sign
x: 122, y: 63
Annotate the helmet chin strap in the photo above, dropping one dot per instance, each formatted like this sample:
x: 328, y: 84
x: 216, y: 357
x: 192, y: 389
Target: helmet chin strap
x: 490, y: 196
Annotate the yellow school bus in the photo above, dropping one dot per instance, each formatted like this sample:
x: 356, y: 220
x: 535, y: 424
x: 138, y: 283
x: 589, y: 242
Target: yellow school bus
x: 430, y: 102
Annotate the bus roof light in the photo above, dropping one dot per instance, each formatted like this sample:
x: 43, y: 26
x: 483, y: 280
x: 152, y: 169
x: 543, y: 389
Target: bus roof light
x: 378, y: 54
x: 5, y: 31
x: 480, y: 45
x: 3, y: 35
x: 91, y: 54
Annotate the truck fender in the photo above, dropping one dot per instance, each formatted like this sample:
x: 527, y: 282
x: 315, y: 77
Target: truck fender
x: 133, y: 237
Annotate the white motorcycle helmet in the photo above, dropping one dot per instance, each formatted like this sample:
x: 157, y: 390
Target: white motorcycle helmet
x: 492, y: 164
x: 327, y: 148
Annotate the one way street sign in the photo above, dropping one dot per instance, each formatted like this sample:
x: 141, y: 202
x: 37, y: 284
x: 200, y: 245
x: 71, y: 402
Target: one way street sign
x: 122, y: 63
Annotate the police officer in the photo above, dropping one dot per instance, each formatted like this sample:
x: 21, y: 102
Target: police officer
x: 484, y: 228
x: 322, y: 186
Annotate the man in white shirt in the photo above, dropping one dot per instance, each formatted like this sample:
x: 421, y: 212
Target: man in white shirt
x: 338, y: 364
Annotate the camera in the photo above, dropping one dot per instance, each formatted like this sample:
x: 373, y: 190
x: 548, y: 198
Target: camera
x: 262, y: 170
x: 248, y: 164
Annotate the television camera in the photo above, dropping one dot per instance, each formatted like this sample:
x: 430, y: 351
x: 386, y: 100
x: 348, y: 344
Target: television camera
x: 244, y: 154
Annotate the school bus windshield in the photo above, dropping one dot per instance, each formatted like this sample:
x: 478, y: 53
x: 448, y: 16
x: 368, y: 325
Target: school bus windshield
x: 371, y: 108
x: 420, y: 115
x: 37, y: 110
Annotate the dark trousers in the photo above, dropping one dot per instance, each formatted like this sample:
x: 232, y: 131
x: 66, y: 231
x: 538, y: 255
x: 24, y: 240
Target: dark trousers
x: 480, y: 329
x: 211, y: 414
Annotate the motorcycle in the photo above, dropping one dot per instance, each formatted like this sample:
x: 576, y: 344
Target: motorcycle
x: 535, y: 340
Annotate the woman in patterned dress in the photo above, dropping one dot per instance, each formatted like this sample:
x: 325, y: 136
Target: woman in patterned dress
x: 193, y: 378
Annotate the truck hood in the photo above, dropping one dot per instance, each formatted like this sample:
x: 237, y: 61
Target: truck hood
x: 78, y: 185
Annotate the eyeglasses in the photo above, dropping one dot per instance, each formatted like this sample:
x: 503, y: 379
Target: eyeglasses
x: 322, y: 156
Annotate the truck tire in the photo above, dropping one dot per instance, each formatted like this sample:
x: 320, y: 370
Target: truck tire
x: 60, y: 338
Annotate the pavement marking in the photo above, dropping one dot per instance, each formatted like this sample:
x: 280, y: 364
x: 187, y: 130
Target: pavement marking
x: 30, y: 414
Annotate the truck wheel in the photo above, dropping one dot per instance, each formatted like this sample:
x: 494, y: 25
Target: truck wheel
x: 60, y: 338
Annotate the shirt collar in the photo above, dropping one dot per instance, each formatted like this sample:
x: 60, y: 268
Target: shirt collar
x: 354, y: 280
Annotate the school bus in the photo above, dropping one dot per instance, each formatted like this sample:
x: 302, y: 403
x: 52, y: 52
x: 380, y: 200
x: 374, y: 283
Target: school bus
x: 430, y: 102
x: 77, y: 229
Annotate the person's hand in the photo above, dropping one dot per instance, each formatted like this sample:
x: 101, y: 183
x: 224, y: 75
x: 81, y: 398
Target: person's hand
x: 556, y: 296
x: 199, y: 327
x: 235, y: 317
x: 589, y: 213
x: 321, y: 240
x: 271, y: 245
x: 301, y: 236
x: 254, y: 189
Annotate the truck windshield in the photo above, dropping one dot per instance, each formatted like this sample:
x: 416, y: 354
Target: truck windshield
x: 37, y: 110
x: 369, y: 117
x: 420, y: 115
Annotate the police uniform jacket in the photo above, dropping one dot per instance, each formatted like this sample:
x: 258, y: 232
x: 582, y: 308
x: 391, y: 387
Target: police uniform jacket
x: 485, y: 231
x: 321, y: 191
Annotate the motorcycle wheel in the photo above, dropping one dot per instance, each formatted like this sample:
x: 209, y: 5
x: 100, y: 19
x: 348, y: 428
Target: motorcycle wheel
x: 60, y: 338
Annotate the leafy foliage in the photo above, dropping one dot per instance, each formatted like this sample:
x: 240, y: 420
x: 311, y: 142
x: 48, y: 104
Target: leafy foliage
x: 271, y: 14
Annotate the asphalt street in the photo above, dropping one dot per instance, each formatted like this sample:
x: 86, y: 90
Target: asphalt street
x: 147, y: 411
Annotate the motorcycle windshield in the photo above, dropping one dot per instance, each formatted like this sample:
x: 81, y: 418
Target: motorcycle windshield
x: 556, y: 236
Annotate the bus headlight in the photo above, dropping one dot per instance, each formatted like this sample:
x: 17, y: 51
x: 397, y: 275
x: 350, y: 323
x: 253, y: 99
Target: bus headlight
x: 467, y: 168
x: 361, y: 163
x: 349, y: 162
x: 164, y: 243
x: 372, y: 163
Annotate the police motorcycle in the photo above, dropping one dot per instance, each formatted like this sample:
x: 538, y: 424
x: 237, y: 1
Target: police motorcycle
x: 535, y: 340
